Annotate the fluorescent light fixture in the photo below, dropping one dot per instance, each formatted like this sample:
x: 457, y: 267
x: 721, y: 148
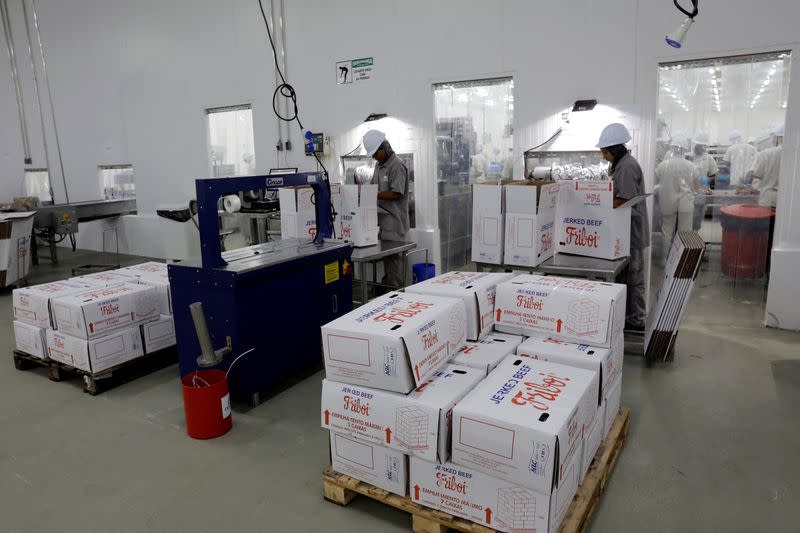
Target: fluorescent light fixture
x: 584, y: 105
x: 712, y: 70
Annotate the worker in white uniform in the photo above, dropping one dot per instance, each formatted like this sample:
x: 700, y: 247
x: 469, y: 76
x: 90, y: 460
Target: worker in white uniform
x: 705, y: 164
x: 766, y: 170
x: 628, y: 180
x: 678, y: 179
x: 740, y: 156
x: 391, y: 177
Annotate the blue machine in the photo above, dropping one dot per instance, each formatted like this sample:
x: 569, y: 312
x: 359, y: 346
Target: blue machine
x: 271, y: 297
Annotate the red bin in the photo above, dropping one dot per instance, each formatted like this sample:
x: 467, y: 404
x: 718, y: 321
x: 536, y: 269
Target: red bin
x: 207, y: 404
x: 745, y: 240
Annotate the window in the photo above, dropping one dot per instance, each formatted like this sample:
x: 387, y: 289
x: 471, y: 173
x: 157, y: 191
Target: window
x: 474, y: 141
x: 116, y: 181
x: 230, y: 141
x: 37, y: 183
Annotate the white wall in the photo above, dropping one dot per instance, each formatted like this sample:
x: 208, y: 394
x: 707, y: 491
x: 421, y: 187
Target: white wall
x: 131, y: 79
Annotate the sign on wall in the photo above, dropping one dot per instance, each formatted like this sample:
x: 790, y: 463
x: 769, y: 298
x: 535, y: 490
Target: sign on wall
x: 354, y: 69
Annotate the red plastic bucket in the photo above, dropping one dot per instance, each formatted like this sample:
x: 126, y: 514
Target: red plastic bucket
x: 207, y: 404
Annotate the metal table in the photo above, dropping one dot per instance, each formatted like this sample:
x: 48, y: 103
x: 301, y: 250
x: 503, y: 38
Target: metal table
x: 372, y: 254
x: 578, y: 266
x: 575, y: 266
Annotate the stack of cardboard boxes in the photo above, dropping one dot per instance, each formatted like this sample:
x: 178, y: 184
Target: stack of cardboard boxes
x: 522, y: 223
x: 504, y: 432
x: 356, y: 209
x: 97, y: 321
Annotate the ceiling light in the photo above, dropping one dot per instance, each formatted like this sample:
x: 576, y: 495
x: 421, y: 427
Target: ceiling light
x: 667, y: 90
x: 766, y: 82
x: 490, y: 103
x: 711, y: 71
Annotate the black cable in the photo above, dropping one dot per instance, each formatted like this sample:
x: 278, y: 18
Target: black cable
x: 287, y: 91
x: 353, y: 150
x: 556, y: 134
x: 691, y: 14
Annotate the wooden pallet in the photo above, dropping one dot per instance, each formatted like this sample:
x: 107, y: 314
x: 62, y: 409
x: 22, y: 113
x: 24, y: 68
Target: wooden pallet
x: 95, y: 383
x: 341, y: 489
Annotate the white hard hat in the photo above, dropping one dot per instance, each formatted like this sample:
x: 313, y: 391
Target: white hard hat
x: 701, y: 138
x: 778, y: 130
x: 372, y: 141
x: 679, y: 141
x: 735, y: 135
x: 614, y: 134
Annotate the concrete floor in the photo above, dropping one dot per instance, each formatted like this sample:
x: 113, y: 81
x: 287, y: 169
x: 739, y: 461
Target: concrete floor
x: 713, y: 443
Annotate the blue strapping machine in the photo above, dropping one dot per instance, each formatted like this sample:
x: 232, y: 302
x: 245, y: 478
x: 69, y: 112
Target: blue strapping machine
x: 271, y: 297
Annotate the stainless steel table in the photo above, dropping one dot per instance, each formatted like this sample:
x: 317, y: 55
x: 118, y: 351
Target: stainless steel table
x: 574, y: 266
x: 373, y: 254
x: 577, y: 266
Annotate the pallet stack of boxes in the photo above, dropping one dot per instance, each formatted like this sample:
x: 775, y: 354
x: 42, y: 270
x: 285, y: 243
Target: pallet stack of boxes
x: 510, y: 423
x: 97, y: 321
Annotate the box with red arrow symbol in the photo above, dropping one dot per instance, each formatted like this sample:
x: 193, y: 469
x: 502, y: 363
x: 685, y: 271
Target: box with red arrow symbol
x: 572, y: 310
x: 487, y: 500
x: 524, y: 422
x: 417, y: 423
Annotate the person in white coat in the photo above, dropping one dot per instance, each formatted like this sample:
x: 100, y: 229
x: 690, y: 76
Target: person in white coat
x: 678, y: 179
x: 766, y: 170
x: 705, y: 164
x: 740, y: 156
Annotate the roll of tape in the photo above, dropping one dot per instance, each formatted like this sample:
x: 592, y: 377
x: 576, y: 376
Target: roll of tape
x: 231, y: 203
x: 542, y: 173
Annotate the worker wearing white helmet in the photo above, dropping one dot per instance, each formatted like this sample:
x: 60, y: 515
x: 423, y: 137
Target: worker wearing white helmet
x: 678, y: 179
x: 628, y: 180
x: 705, y: 164
x: 766, y: 170
x: 740, y: 156
x: 391, y: 177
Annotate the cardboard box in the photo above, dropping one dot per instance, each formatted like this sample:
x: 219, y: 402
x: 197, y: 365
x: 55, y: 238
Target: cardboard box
x: 487, y: 352
x: 612, y: 403
x: 394, y: 342
x: 371, y: 463
x: 606, y: 361
x: 573, y: 310
x: 587, y: 223
x: 97, y: 354
x: 488, y: 224
x: 158, y: 334
x: 150, y: 268
x: 475, y: 289
x: 160, y: 282
x: 359, y: 214
x: 298, y: 213
x: 30, y: 339
x: 417, y: 423
x: 32, y: 304
x: 98, y: 311
x: 592, y: 437
x: 523, y: 422
x: 529, y: 223
x: 490, y: 501
x: 106, y: 279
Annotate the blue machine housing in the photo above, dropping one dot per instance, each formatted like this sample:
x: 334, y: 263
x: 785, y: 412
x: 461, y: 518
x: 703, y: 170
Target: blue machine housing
x: 271, y: 297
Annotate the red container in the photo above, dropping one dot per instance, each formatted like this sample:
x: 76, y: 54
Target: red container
x: 207, y: 404
x: 745, y: 240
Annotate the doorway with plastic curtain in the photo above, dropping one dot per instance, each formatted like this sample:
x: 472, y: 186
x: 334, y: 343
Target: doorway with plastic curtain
x: 474, y: 142
x: 725, y: 117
